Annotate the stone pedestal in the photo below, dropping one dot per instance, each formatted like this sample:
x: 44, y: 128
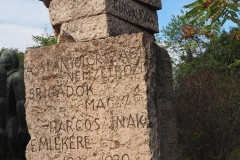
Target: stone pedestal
x: 81, y: 20
x: 62, y: 11
x: 105, y: 99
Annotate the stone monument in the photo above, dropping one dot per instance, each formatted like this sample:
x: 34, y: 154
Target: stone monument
x: 104, y: 92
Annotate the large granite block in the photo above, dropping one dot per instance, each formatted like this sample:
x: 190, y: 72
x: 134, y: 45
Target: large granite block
x: 103, y: 99
x: 62, y: 11
x: 95, y: 27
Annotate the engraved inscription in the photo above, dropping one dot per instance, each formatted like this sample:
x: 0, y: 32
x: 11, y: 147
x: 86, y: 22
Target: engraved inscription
x: 60, y: 143
x: 96, y: 100
x: 87, y: 124
x: 76, y: 78
x: 132, y: 12
x: 131, y: 121
x: 60, y: 90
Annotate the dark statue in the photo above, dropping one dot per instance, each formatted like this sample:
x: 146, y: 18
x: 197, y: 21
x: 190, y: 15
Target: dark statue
x: 13, y: 122
x: 3, y: 113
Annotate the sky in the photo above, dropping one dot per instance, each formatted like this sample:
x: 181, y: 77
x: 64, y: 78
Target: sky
x: 20, y: 19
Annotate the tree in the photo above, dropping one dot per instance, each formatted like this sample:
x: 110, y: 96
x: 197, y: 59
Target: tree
x: 174, y: 38
x: 208, y: 107
x: 191, y: 33
x: 207, y: 94
x: 212, y: 14
x: 207, y: 90
x: 224, y: 49
x: 46, y: 39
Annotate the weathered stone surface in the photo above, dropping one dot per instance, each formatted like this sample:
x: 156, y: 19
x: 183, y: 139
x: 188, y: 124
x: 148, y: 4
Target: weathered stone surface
x: 69, y: 10
x: 100, y: 99
x: 95, y: 27
x: 165, y: 107
x: 155, y: 4
x: 134, y: 13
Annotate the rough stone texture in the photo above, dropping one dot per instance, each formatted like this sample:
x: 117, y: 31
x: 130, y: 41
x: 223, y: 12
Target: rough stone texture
x: 103, y: 99
x: 165, y: 107
x: 155, y: 4
x: 62, y: 11
x: 95, y: 27
x: 68, y: 10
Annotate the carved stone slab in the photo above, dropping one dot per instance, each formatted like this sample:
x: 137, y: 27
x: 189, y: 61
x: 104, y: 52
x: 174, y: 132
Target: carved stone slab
x: 95, y: 27
x: 100, y: 100
x: 62, y: 11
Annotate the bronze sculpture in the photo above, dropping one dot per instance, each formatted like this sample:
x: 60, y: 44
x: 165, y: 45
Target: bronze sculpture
x: 3, y: 113
x: 16, y: 125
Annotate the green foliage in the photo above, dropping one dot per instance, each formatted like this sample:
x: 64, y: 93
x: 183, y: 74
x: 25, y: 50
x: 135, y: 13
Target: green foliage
x: 44, y: 41
x: 207, y: 92
x: 213, y: 14
x: 235, y: 64
x: 182, y: 39
x: 225, y: 50
x: 235, y: 155
x: 21, y: 60
x: 208, y: 107
x: 190, y: 68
